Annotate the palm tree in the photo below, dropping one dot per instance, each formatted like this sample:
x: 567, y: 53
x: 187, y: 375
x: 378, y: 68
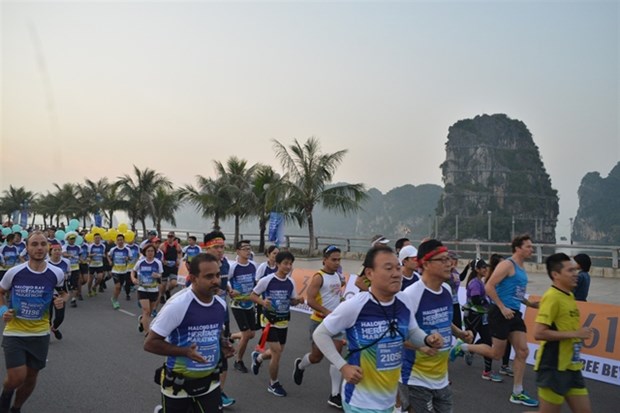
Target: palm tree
x: 49, y: 205
x: 139, y: 192
x: 66, y: 199
x: 208, y: 198
x: 271, y: 194
x: 310, y: 172
x: 236, y: 178
x: 113, y: 201
x: 165, y: 203
x: 13, y: 198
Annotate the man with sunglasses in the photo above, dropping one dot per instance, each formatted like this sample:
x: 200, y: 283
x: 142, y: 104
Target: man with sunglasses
x: 324, y: 295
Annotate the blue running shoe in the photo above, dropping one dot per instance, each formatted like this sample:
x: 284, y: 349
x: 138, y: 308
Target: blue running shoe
x: 524, y: 399
x: 276, y: 389
x: 456, y: 351
x: 227, y: 401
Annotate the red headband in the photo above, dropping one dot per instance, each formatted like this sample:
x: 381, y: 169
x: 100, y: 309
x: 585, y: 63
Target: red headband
x: 214, y: 242
x: 434, y: 252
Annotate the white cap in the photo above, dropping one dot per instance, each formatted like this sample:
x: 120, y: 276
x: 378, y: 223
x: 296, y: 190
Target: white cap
x: 378, y: 239
x: 407, y: 251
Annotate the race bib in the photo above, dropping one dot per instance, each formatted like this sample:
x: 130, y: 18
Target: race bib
x: 210, y: 352
x: 389, y: 355
x: 576, y: 352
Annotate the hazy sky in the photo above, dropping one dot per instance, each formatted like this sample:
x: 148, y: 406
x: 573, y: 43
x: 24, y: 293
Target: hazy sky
x: 88, y: 89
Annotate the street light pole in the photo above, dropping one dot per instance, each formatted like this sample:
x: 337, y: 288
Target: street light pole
x: 570, y: 235
x: 456, y: 237
x: 489, y: 225
x: 512, y: 232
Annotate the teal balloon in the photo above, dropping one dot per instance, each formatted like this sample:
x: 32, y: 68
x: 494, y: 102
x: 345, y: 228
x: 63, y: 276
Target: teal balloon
x: 24, y: 234
x: 74, y: 224
x: 79, y: 240
x: 60, y: 235
x: 16, y: 228
x: 6, y: 231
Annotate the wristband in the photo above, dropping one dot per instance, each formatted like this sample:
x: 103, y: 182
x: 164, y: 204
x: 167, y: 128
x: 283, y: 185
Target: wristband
x: 3, y: 310
x: 426, y: 342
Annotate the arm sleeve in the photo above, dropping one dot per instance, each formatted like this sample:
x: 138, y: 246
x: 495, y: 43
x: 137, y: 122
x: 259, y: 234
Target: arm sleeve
x: 294, y: 292
x: 261, y: 286
x: 323, y: 340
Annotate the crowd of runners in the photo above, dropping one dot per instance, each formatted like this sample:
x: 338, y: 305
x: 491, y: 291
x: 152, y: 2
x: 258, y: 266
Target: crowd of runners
x: 389, y: 346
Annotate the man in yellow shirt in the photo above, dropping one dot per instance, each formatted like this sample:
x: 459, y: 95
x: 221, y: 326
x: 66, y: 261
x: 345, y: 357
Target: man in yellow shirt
x: 558, y: 363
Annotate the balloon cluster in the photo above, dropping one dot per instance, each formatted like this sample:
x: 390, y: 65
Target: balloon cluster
x: 110, y: 234
x: 15, y: 229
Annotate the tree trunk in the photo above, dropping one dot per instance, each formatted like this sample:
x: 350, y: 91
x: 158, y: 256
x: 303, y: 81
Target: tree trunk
x: 237, y: 221
x: 216, y: 222
x: 158, y: 226
x: 310, y: 232
x: 262, y: 226
x: 143, y: 221
x: 34, y: 217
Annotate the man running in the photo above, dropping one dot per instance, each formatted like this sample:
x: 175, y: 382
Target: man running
x: 71, y: 251
x: 408, y: 257
x: 425, y: 384
x: 172, y: 259
x: 119, y: 257
x: 56, y: 259
x: 26, y: 333
x: 191, y: 249
x: 377, y: 323
x: 96, y: 254
x: 188, y: 331
x: 323, y: 296
x: 214, y: 244
x: 241, y: 283
x: 279, y: 291
x: 558, y: 327
x: 9, y: 255
x: 506, y: 288
x: 19, y: 242
x: 151, y: 235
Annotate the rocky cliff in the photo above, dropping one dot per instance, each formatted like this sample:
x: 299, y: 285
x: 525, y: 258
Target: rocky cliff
x: 598, y: 216
x: 492, y: 164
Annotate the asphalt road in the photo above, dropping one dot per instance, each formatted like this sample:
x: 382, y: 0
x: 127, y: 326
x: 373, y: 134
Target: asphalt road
x: 99, y: 366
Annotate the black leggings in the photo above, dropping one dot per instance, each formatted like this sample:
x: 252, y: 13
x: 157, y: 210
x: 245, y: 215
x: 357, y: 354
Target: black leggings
x: 207, y: 403
x: 474, y: 323
x: 59, y: 315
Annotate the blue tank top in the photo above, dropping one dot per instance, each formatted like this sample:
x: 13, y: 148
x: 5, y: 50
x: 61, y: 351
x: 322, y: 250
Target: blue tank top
x: 511, y: 290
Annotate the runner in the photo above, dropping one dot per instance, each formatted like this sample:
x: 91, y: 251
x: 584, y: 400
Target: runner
x: 56, y: 259
x: 279, y: 291
x: 96, y: 253
x: 455, y: 283
x: 505, y: 369
x: 506, y: 288
x: 172, y: 259
x: 191, y: 250
x: 84, y: 270
x: 214, y: 244
x: 425, y: 384
x: 362, y: 282
x: 558, y: 327
x: 400, y: 243
x: 134, y: 256
x: 377, y: 324
x: 151, y: 235
x: 71, y: 251
x: 107, y: 265
x: 476, y: 313
x: 9, y: 255
x: 145, y: 274
x: 264, y: 269
x: 119, y: 256
x: 408, y: 257
x: 26, y: 333
x: 323, y: 296
x: 583, y: 282
x: 19, y: 242
x: 242, y: 277
x: 188, y: 331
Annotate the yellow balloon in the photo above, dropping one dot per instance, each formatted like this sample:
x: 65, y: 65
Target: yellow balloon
x: 90, y: 237
x: 123, y: 227
x: 130, y: 236
x: 97, y: 230
x: 111, y: 234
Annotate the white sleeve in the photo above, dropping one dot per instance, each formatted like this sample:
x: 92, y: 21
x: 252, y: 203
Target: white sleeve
x: 160, y: 266
x: 323, y: 340
x: 7, y: 280
x: 169, y: 318
x: 294, y: 293
x: 261, y: 286
x: 344, y: 315
x: 260, y: 271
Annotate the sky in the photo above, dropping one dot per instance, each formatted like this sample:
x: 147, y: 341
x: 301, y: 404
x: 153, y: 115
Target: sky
x: 89, y: 89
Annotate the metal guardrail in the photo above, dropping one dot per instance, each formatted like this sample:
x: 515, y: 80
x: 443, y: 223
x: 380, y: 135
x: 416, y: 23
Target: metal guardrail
x: 601, y: 255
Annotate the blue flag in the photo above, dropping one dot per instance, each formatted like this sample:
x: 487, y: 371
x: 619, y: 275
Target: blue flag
x: 276, y: 227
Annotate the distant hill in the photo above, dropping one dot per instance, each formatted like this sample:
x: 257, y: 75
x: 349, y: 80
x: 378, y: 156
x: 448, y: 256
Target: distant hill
x: 598, y: 216
x: 404, y: 210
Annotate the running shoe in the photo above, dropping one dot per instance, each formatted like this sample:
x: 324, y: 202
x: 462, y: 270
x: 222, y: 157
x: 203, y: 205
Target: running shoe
x: 158, y: 409
x: 469, y: 358
x: 524, y: 399
x: 492, y: 376
x: 73, y: 303
x: 115, y: 303
x: 298, y: 374
x: 140, y: 327
x: 57, y: 334
x: 506, y: 371
x: 239, y: 366
x: 154, y: 313
x: 335, y: 401
x: 255, y: 363
x: 456, y: 351
x: 227, y: 401
x: 276, y: 389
